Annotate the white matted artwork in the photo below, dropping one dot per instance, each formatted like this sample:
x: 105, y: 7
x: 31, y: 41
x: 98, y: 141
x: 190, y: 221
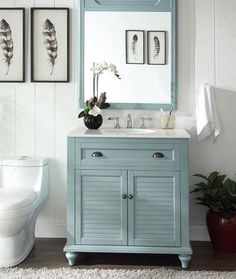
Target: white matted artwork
x: 12, y: 44
x: 156, y: 47
x: 134, y: 46
x: 50, y: 44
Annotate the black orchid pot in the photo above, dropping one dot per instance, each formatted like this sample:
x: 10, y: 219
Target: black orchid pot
x: 93, y: 122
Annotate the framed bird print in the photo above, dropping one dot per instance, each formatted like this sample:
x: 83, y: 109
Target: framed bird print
x: 156, y: 47
x: 50, y: 44
x: 12, y: 44
x: 134, y: 46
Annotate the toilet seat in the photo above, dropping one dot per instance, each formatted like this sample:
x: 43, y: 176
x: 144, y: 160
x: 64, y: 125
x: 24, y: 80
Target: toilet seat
x: 11, y: 199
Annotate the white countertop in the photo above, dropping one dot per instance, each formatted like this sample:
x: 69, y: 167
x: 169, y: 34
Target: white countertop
x: 128, y: 133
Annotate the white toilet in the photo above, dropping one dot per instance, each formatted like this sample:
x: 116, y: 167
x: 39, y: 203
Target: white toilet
x: 24, y: 186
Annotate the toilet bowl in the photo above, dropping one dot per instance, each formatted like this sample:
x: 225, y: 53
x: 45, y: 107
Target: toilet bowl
x: 24, y: 190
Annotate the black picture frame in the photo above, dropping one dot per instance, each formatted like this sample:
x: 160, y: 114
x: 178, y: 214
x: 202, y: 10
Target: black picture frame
x: 15, y: 44
x: 65, y: 39
x: 135, y: 46
x: 156, y: 48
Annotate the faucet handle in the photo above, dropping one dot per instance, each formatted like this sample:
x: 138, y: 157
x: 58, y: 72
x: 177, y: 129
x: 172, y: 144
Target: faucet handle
x: 143, y: 118
x: 117, y: 126
x: 129, y: 121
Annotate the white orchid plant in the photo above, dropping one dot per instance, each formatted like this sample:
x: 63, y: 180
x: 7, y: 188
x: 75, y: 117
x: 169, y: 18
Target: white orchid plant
x: 98, y: 69
x: 94, y: 104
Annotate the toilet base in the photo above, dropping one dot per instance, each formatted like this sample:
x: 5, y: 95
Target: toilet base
x: 16, y: 248
x: 10, y: 256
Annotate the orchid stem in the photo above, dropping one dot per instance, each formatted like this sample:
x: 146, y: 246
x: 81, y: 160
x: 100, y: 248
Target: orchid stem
x: 97, y: 78
x: 93, y: 81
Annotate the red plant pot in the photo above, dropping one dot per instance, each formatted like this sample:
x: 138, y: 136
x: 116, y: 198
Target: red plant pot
x: 222, y: 232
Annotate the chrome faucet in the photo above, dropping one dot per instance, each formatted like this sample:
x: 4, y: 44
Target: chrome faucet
x: 117, y: 125
x: 129, y: 121
x: 142, y: 121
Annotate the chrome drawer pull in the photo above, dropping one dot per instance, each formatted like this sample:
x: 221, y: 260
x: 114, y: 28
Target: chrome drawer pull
x: 158, y: 155
x: 130, y: 196
x: 124, y: 196
x: 97, y: 154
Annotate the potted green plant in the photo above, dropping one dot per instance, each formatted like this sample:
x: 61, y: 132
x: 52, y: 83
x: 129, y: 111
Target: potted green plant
x: 218, y: 193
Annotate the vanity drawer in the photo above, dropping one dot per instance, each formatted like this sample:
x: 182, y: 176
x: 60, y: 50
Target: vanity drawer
x: 127, y: 154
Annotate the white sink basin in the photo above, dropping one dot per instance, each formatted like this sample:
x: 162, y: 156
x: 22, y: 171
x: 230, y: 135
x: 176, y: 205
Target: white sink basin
x: 129, y: 131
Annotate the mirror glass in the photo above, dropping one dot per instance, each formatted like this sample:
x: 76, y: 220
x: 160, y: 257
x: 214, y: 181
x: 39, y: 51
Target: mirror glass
x: 110, y: 37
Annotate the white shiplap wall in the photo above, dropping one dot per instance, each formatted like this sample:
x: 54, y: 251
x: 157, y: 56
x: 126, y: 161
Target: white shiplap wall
x: 215, y: 64
x: 35, y: 118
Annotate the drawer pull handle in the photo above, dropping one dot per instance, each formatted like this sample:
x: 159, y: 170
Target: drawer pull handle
x: 130, y: 196
x: 124, y: 196
x: 97, y: 154
x: 158, y: 155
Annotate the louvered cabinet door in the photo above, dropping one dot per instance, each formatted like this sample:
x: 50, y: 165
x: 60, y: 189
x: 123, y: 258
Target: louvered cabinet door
x: 154, y: 208
x: 101, y: 212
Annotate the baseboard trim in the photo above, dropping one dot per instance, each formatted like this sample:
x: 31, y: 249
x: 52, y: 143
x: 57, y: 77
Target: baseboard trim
x: 50, y: 230
x: 199, y: 233
x: 58, y: 230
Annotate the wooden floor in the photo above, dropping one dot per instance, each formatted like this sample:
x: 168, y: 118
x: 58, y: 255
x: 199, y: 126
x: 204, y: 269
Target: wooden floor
x: 49, y: 253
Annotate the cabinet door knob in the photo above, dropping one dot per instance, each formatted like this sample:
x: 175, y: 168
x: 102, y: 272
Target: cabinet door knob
x: 130, y: 196
x: 158, y: 155
x: 124, y: 196
x: 97, y: 154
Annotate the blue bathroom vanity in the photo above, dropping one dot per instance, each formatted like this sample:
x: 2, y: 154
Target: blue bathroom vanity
x: 128, y: 192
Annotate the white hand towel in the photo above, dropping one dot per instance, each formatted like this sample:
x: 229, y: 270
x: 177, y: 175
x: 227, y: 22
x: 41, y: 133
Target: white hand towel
x: 207, y: 119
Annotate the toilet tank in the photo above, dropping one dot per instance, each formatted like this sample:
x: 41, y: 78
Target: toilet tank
x: 25, y: 173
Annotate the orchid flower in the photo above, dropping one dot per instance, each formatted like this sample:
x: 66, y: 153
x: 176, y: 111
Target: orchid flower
x: 94, y: 111
x: 99, y: 68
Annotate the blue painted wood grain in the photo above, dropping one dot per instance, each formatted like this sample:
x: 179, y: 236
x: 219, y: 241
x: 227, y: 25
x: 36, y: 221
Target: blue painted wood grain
x: 128, y: 5
x: 154, y: 214
x: 70, y: 191
x: 154, y: 220
x: 101, y: 212
x: 126, y: 154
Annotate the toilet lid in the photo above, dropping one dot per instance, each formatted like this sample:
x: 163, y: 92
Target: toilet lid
x: 11, y: 199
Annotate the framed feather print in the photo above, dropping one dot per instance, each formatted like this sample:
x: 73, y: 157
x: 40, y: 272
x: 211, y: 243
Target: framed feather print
x: 156, y: 47
x: 134, y: 46
x: 12, y: 44
x: 50, y: 44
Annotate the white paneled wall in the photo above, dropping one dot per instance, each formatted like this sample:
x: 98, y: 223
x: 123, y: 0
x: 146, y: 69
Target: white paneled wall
x: 36, y: 118
x: 216, y: 64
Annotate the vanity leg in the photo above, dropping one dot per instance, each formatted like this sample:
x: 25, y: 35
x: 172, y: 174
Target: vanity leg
x: 71, y: 257
x: 184, y: 260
